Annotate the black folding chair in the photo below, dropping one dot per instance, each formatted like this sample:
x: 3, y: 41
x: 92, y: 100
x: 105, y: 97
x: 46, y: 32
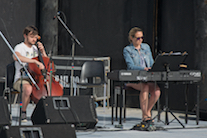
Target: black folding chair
x: 10, y: 72
x: 91, y: 70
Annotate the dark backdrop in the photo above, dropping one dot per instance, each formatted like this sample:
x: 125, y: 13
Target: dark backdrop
x: 177, y: 33
x: 14, y: 16
x: 102, y: 26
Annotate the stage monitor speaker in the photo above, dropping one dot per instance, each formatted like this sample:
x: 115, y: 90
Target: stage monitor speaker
x: 203, y: 109
x: 4, y: 112
x: 39, y: 131
x: 77, y: 110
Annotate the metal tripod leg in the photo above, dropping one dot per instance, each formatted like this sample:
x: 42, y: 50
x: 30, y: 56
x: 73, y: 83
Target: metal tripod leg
x: 176, y: 118
x: 166, y: 109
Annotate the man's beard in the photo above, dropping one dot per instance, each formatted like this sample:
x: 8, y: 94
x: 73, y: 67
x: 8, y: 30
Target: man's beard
x: 30, y: 43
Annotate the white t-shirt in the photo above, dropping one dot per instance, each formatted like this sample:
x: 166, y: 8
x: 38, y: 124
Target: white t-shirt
x: 25, y: 51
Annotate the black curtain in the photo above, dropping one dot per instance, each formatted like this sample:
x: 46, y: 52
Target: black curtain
x: 102, y: 26
x: 177, y: 33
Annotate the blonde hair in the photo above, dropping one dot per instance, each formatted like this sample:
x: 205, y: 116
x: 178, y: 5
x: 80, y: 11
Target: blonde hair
x: 133, y: 31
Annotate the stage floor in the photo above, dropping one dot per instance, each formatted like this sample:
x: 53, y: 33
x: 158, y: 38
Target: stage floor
x: 105, y: 129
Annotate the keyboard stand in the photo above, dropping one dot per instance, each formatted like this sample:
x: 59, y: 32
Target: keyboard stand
x: 166, y: 108
x: 120, y: 125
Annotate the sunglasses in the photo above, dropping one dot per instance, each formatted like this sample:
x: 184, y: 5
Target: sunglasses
x: 138, y: 38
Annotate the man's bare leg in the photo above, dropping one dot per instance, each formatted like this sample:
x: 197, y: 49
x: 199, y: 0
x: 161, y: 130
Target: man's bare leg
x: 27, y: 90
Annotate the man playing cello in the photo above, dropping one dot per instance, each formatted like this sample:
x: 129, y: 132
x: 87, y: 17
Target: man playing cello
x: 26, y: 51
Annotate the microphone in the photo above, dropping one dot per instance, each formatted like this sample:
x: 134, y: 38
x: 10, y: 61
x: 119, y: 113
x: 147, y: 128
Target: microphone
x: 38, y: 38
x: 57, y: 14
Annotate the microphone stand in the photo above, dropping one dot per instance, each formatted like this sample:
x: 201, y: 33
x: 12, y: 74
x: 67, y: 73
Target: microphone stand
x: 50, y: 59
x: 74, y: 39
x: 50, y: 66
x: 23, y: 69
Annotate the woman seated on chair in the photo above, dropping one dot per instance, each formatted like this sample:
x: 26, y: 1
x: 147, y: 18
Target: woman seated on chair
x: 138, y: 56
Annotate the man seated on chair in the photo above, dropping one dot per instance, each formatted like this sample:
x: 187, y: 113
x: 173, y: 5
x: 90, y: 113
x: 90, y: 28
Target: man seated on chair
x: 26, y: 51
x: 138, y: 56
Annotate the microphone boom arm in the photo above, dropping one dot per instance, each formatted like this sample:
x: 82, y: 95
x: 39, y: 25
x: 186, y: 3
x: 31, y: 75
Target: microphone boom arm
x: 73, y: 36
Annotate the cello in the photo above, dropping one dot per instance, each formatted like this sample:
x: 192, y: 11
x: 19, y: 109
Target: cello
x: 43, y: 78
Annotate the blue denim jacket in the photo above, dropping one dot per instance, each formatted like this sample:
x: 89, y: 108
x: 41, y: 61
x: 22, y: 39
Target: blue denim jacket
x: 132, y: 57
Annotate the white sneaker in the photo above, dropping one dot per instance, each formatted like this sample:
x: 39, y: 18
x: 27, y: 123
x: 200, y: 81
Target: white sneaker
x: 24, y: 118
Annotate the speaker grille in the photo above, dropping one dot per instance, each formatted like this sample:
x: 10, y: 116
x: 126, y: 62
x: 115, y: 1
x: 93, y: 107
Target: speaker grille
x: 78, y: 110
x: 38, y: 131
x: 4, y: 114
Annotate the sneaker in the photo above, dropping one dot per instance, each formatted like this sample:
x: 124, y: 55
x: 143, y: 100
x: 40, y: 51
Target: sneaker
x: 24, y: 118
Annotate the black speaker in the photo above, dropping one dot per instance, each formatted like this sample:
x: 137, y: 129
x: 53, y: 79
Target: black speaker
x: 77, y: 110
x: 39, y: 131
x: 4, y: 112
x: 203, y: 109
